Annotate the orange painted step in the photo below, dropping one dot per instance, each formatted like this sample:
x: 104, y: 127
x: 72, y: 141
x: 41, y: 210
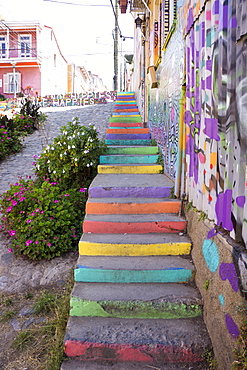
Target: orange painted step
x: 129, y: 206
x: 128, y: 131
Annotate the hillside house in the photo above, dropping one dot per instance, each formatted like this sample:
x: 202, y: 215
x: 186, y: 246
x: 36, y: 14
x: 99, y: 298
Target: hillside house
x: 31, y: 62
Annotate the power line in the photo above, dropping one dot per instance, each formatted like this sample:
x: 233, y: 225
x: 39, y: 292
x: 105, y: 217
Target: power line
x: 65, y: 2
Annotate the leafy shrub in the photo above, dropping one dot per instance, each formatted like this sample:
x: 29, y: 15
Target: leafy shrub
x: 2, y: 97
x: 10, y: 142
x: 31, y: 110
x: 44, y: 216
x: 45, y: 220
x: 73, y: 157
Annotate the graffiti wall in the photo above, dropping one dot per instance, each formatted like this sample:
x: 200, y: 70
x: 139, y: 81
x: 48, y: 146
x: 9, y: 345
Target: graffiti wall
x: 215, y: 34
x: 215, y: 112
x: 164, y: 104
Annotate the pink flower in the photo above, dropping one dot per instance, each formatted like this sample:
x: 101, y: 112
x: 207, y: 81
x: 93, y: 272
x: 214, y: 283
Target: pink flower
x: 10, y: 250
x: 12, y: 232
x: 28, y: 221
x: 28, y: 242
x: 66, y: 195
x: 21, y: 199
x: 37, y: 210
x: 82, y: 190
x: 9, y: 209
x: 14, y: 202
x: 36, y: 242
x: 56, y: 201
x: 49, y: 244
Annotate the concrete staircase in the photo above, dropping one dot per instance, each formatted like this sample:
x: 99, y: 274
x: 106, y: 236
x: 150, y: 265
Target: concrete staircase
x: 134, y: 303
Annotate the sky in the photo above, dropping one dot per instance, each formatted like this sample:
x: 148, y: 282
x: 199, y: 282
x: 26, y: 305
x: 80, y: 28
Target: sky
x: 83, y: 28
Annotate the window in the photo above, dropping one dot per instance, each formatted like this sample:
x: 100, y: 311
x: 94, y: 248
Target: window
x: 3, y: 47
x: 25, y: 46
x: 168, y: 16
x: 12, y: 83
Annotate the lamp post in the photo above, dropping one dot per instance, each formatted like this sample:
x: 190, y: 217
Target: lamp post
x: 14, y: 87
x: 115, y: 78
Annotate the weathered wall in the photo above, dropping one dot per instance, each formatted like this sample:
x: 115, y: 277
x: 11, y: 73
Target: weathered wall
x: 218, y: 278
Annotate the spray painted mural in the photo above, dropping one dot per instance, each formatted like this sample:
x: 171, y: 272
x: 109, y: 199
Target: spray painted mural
x: 215, y: 114
x: 215, y: 35
x: 164, y: 104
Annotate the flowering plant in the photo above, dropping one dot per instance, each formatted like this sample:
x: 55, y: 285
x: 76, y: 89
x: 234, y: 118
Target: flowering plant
x: 44, y: 221
x: 73, y: 157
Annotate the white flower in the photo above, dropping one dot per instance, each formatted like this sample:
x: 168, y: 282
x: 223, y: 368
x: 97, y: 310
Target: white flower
x: 61, y: 155
x: 63, y: 171
x: 76, y: 159
x: 54, y: 171
x: 38, y: 166
x: 88, y: 165
x: 73, y: 147
x: 48, y: 161
x: 52, y: 148
x: 91, y: 163
x: 68, y: 147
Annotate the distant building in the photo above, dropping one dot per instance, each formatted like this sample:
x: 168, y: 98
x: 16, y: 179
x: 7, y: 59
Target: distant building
x: 31, y: 62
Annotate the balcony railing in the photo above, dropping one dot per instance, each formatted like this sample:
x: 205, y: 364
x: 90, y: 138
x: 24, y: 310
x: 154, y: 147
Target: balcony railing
x: 16, y: 53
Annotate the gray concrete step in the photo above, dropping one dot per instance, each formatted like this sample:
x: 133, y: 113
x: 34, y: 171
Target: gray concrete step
x: 111, y: 339
x: 110, y: 365
x: 122, y: 239
x: 170, y: 292
x: 135, y: 263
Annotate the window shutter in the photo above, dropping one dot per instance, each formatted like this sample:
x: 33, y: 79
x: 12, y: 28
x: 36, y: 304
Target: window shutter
x: 18, y: 80
x: 5, y: 84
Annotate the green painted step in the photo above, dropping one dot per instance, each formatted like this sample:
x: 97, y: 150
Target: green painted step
x: 132, y: 309
x: 132, y: 150
x: 125, y: 119
x: 125, y: 159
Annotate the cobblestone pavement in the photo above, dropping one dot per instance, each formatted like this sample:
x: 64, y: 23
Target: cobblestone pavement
x: 18, y: 274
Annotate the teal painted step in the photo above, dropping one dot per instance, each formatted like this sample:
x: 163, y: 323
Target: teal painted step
x: 128, y: 142
x: 125, y: 159
x: 172, y: 275
x: 125, y: 119
x: 132, y: 150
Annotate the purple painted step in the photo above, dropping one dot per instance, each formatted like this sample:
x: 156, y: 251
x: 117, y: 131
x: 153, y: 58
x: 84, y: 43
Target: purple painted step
x: 128, y: 192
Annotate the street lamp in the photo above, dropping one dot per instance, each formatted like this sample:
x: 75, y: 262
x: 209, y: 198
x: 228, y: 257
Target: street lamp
x: 138, y: 22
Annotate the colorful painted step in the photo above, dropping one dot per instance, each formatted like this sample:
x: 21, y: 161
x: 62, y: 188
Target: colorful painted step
x: 133, y: 301
x: 137, y: 206
x: 125, y: 119
x: 132, y: 150
x: 131, y: 168
x: 125, y: 125
x: 131, y: 185
x: 124, y: 142
x: 128, y: 159
x: 128, y: 131
x: 158, y: 244
x: 141, y: 341
x: 148, y: 269
x: 129, y: 223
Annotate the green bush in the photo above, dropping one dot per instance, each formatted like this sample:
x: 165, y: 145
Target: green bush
x: 44, y: 217
x: 10, y: 142
x: 45, y: 220
x: 73, y: 157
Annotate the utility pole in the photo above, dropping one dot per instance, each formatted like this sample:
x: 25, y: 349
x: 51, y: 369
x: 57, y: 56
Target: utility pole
x: 115, y: 78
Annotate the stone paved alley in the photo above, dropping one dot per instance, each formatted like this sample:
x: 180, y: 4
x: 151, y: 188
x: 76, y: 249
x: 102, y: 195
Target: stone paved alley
x: 17, y: 274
